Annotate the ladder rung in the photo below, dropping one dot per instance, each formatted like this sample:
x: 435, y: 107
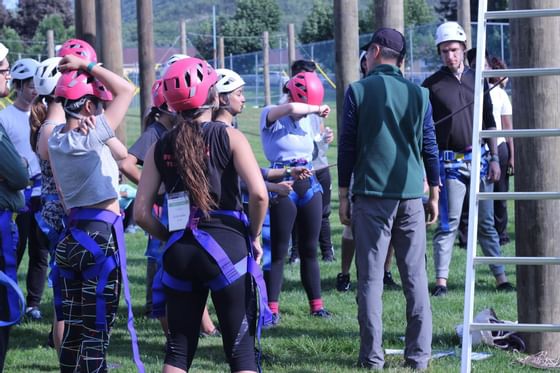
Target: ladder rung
x: 516, y: 327
x: 525, y: 196
x: 523, y: 13
x: 515, y: 73
x: 519, y: 260
x: 537, y: 132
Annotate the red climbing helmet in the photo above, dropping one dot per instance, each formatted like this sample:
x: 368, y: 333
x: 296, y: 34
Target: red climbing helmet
x: 306, y: 87
x: 186, y: 84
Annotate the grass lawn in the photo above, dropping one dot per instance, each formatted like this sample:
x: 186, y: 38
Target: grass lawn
x: 300, y: 343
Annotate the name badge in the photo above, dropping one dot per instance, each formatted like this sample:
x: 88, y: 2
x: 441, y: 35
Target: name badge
x: 179, y: 210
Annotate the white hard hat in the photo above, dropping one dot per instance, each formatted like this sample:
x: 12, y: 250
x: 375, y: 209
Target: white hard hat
x: 47, y: 76
x: 24, y: 68
x: 450, y: 31
x: 228, y: 81
x: 3, y: 51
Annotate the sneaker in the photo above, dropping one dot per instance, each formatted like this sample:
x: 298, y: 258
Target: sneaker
x: 132, y: 228
x: 33, y: 313
x: 439, y: 291
x: 389, y: 283
x: 505, y: 287
x: 214, y: 333
x: 328, y: 255
x: 504, y: 240
x: 322, y: 313
x: 50, y: 339
x: 275, y: 321
x: 294, y: 257
x: 343, y: 282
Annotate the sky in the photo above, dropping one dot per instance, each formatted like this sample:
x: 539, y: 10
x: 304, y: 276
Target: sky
x: 10, y: 4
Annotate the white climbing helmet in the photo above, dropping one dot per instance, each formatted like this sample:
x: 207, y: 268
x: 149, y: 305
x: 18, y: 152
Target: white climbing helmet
x: 450, y: 31
x: 171, y: 60
x: 24, y: 68
x: 228, y: 81
x: 47, y: 76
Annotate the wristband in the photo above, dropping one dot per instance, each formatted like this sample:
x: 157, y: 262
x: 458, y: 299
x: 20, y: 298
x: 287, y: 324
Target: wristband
x: 495, y: 158
x: 288, y: 171
x: 90, y: 66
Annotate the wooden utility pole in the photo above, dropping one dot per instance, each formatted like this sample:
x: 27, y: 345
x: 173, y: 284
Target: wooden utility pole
x: 346, y: 50
x: 84, y: 11
x: 291, y: 44
x: 183, y: 27
x: 266, y: 68
x: 146, y: 61
x: 109, y: 13
x: 50, y: 43
x: 535, y: 105
x: 389, y: 13
x: 221, y: 58
x: 464, y: 18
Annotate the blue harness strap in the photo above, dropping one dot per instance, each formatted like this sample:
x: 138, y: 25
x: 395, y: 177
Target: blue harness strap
x: 9, y: 238
x: 12, y: 287
x: 450, y: 163
x: 314, y: 187
x: 34, y: 189
x: 103, y: 267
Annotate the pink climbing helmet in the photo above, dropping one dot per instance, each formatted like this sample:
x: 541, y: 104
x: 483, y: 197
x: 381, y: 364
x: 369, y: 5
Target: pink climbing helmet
x: 78, y: 48
x: 306, y: 87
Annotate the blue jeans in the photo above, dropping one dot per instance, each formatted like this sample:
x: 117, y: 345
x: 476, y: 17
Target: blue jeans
x: 487, y: 236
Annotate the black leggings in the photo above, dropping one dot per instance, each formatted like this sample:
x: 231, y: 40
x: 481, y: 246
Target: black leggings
x: 31, y: 236
x: 235, y: 304
x: 307, y: 218
x: 82, y: 344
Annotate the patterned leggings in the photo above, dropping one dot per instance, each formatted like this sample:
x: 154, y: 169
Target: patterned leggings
x: 83, y: 346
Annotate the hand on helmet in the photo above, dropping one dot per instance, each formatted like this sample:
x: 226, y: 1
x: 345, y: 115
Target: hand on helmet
x: 71, y: 62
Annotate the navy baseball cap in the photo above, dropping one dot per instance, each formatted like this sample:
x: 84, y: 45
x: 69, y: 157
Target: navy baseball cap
x: 388, y: 37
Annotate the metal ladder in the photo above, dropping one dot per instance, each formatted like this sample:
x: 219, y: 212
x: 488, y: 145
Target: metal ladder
x: 468, y: 325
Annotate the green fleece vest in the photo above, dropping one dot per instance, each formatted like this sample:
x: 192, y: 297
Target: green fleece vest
x: 390, y: 115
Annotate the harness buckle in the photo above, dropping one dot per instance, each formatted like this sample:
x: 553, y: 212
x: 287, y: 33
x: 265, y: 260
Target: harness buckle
x: 448, y: 155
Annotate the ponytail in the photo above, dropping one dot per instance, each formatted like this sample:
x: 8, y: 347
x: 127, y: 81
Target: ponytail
x: 37, y: 116
x: 191, y: 154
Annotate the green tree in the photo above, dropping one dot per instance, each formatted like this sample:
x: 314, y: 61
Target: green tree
x: 51, y: 22
x: 243, y: 31
x: 418, y: 12
x: 4, y: 16
x: 30, y: 13
x: 319, y: 25
x: 10, y: 38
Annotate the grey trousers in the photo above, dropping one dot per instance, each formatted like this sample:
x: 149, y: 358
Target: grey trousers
x: 376, y: 223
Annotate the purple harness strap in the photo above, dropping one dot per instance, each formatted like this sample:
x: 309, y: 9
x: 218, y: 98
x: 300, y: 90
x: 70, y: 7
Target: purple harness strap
x: 9, y: 238
x: 104, y: 265
x: 230, y: 272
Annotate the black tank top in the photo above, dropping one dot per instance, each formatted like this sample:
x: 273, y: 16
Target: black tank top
x: 221, y: 173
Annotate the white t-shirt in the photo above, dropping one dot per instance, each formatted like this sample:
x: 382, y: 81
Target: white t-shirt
x: 16, y: 124
x: 286, y: 139
x: 501, y: 106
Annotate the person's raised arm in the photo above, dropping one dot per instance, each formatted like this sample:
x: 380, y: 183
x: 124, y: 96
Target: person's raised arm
x: 122, y: 90
x: 118, y: 150
x: 296, y: 108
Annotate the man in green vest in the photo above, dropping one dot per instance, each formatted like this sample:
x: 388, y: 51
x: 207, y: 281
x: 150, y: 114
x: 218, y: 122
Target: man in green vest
x: 387, y: 140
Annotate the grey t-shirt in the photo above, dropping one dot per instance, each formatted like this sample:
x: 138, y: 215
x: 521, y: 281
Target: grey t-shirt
x: 83, y: 165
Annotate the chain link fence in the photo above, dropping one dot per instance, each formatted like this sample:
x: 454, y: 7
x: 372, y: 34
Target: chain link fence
x: 421, y: 61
